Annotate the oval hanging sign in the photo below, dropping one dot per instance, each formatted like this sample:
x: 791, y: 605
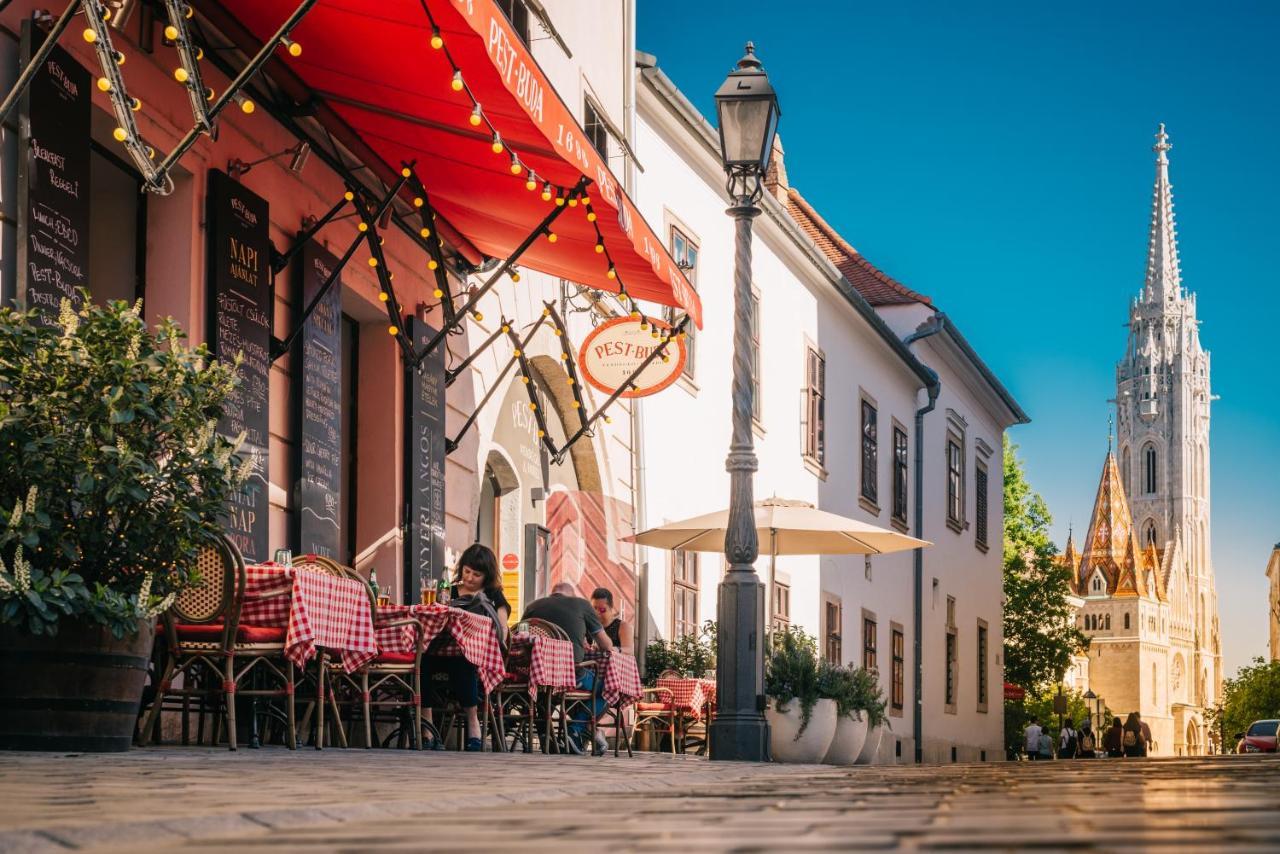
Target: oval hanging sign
x: 616, y: 348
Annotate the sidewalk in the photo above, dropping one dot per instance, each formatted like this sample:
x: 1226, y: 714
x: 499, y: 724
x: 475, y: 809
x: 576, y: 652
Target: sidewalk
x: 273, y: 800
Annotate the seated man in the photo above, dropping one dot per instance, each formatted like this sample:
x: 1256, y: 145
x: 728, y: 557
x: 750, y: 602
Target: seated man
x: 578, y: 619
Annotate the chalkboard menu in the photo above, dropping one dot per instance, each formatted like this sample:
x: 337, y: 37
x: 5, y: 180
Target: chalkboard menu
x: 53, y: 180
x: 239, y: 253
x: 318, y: 491
x: 424, y: 462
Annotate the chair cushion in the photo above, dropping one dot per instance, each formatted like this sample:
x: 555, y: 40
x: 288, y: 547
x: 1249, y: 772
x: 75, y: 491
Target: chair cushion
x: 655, y: 707
x: 395, y: 658
x: 244, y: 634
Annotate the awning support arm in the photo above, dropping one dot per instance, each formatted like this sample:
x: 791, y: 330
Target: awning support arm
x: 451, y: 375
x: 450, y: 445
x: 566, y: 349
x: 578, y: 189
x: 618, y: 392
x: 433, y: 242
x: 37, y: 59
x: 374, y: 240
x: 234, y: 87
x: 278, y: 350
x: 280, y: 260
x: 538, y: 415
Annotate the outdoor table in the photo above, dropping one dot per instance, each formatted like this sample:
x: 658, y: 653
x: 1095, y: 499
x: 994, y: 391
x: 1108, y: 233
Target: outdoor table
x: 621, y: 686
x: 689, y: 695
x: 472, y: 636
x: 551, y: 663
x: 318, y: 611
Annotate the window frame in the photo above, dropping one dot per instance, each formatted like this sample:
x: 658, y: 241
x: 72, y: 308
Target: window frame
x: 901, y: 474
x: 832, y: 629
x: 680, y: 232
x: 951, y: 652
x: 1150, y: 469
x: 984, y: 661
x: 593, y: 126
x: 981, y: 505
x: 870, y: 643
x: 955, y: 485
x: 897, y: 694
x: 517, y: 9
x: 685, y: 590
x: 869, y: 454
x: 780, y: 595
x: 815, y: 406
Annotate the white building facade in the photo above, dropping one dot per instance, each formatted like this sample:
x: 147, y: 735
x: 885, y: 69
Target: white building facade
x: 838, y: 390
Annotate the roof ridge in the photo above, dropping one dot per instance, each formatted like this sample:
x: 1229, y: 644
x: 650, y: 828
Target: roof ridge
x: 849, y: 252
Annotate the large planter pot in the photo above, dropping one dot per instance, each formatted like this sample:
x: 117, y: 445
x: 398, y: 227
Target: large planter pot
x: 871, y: 747
x: 811, y: 746
x: 851, y: 734
x: 77, y: 691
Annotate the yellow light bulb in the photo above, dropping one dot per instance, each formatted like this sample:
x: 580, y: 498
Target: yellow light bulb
x: 418, y: 201
x: 608, y: 419
x: 516, y: 353
x: 505, y: 329
x: 546, y: 192
x: 120, y: 134
x: 119, y: 58
x: 612, y: 274
x: 643, y: 325
x: 586, y: 200
x: 635, y: 314
x: 541, y: 433
x: 247, y: 106
x: 181, y: 75
x: 151, y: 153
x: 564, y: 357
x: 106, y: 14
x: 525, y: 379
x: 135, y: 104
x: 373, y: 262
x: 558, y: 333
x: 559, y: 201
x: 515, y: 277
x: 553, y: 237
x: 573, y: 202
x: 516, y: 169
x: 293, y: 47
x: 433, y: 264
x: 570, y: 380
x: 479, y: 317
x: 349, y: 196
x: 577, y: 405
x: 546, y: 312
x: 531, y: 184
x: 438, y: 294
x: 209, y: 94
x: 381, y: 240
x: 424, y: 232
x: 188, y: 13
x: 104, y: 84
x: 533, y: 407
x: 456, y: 83
x: 393, y: 330
x: 90, y: 36
x: 496, y: 147
x: 171, y: 33
x: 591, y: 216
x: 363, y: 226
x: 199, y: 54
x: 436, y: 41
x: 474, y: 118
x: 599, y: 248
x: 382, y: 296
x: 666, y: 358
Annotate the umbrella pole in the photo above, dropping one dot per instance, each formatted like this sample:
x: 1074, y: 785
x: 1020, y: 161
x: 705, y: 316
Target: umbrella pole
x: 773, y: 578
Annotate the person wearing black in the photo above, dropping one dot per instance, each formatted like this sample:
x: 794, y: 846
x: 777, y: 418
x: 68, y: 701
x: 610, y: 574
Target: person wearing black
x: 579, y: 621
x: 478, y: 588
x: 618, y: 631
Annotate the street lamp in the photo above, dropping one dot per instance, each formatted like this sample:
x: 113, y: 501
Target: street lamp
x: 1089, y: 698
x: 748, y: 116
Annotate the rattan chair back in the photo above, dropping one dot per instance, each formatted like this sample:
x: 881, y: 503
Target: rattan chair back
x: 213, y: 597
x: 322, y: 565
x: 540, y: 628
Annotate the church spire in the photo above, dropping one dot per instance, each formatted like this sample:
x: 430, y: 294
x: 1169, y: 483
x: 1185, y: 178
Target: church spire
x: 1164, y: 279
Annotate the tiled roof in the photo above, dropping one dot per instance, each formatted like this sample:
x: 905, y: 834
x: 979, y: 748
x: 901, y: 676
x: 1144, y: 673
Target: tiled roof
x: 876, y: 286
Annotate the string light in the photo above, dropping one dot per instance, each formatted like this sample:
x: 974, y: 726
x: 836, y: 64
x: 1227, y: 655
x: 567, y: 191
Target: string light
x: 531, y: 183
x: 546, y: 191
x: 438, y: 294
x: 393, y: 330
x: 424, y: 232
x: 209, y: 94
x: 573, y: 201
x: 591, y: 215
x: 373, y: 262
x: 437, y: 41
x: 516, y: 168
x: 171, y: 33
x: 515, y: 275
x: 119, y: 58
x: 599, y: 247
x: 363, y: 227
x: 104, y: 85
x: 559, y: 200
x: 475, y: 117
x: 613, y: 273
x: 552, y: 237
x: 533, y: 407
x: 180, y: 74
x: 456, y: 83
x: 246, y: 104
x: 497, y: 146
x: 418, y: 201
x: 349, y: 196
x: 383, y: 296
x: 135, y: 104
x: 293, y: 47
x: 120, y: 134
x: 478, y: 316
x: 89, y: 35
x: 432, y: 264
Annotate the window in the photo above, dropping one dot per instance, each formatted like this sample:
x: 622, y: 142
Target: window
x: 869, y: 642
x: 1106, y: 622
x: 781, y: 606
x: 1149, y: 469
x: 869, y: 451
x: 832, y: 648
x: 982, y: 665
x: 757, y: 406
x: 952, y: 652
x: 980, y: 505
x: 1149, y: 533
x: 815, y: 406
x: 518, y: 14
x: 597, y: 131
x: 900, y: 474
x: 955, y: 483
x: 684, y: 594
x: 1125, y: 470
x: 1096, y: 585
x: 899, y: 670
x: 1126, y: 620
x: 684, y: 251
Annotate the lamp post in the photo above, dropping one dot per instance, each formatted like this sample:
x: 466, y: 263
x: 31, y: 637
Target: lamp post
x: 1089, y: 701
x: 748, y: 116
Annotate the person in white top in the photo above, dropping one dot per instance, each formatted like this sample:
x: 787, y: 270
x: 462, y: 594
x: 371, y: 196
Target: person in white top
x: 1031, y: 738
x: 1068, y: 741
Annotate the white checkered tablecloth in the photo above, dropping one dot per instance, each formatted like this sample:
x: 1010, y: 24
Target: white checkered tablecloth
x: 319, y: 611
x: 473, y: 636
x: 551, y: 662
x: 621, y: 677
x: 692, y: 696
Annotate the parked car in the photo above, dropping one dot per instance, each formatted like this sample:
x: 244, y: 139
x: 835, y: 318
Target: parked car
x: 1261, y: 738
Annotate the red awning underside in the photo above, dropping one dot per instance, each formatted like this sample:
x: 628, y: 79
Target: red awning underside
x: 374, y: 65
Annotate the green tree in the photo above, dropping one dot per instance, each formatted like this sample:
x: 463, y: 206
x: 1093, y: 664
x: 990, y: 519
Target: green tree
x: 1254, y: 694
x: 1040, y: 635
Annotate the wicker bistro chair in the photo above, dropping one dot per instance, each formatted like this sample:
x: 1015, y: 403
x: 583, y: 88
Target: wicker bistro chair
x: 517, y: 713
x: 656, y: 712
x: 392, y: 680
x: 567, y: 701
x: 206, y: 641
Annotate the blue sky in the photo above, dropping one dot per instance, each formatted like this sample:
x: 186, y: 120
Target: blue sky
x: 997, y: 156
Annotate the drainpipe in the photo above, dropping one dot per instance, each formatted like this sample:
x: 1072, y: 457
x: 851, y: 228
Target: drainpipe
x: 931, y: 327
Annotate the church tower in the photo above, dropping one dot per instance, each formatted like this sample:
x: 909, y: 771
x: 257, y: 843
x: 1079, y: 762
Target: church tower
x: 1162, y: 415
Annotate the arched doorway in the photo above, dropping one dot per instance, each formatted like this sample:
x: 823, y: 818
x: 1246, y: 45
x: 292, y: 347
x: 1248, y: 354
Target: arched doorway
x: 1193, y: 739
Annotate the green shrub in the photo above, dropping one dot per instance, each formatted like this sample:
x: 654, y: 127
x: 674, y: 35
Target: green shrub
x: 855, y: 690
x: 691, y: 655
x: 791, y: 672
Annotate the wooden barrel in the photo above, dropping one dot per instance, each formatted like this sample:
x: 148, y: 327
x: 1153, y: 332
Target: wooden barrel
x: 78, y: 691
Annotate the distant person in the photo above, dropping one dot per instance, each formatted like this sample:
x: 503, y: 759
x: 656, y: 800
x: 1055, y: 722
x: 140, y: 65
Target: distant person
x: 1031, y: 738
x: 1132, y: 737
x: 1088, y: 743
x: 578, y: 619
x: 619, y: 632
x: 1068, y: 741
x: 1045, y: 748
x: 1113, y: 741
x: 1144, y: 734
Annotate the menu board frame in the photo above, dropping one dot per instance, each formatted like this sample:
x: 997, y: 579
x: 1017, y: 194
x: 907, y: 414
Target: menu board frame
x: 240, y: 294
x: 424, y: 462
x: 54, y: 144
x: 318, y: 489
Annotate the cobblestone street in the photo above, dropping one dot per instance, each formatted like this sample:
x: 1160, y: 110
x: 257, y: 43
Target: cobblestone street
x: 354, y: 800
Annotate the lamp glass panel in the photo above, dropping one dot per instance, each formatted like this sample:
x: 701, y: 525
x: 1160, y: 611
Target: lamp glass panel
x: 745, y: 126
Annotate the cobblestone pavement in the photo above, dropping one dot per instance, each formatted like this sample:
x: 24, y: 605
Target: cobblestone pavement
x: 275, y: 800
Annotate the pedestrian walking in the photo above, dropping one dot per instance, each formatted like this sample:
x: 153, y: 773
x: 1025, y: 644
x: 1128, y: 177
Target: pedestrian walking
x: 1045, y: 750
x: 1132, y: 737
x: 1068, y: 741
x: 1088, y: 745
x: 1113, y: 741
x: 1031, y: 739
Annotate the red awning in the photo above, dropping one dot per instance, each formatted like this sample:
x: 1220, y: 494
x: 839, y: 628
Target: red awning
x: 1013, y: 692
x: 374, y: 65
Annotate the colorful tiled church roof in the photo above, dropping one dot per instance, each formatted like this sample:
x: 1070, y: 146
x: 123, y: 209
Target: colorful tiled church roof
x: 1111, y: 544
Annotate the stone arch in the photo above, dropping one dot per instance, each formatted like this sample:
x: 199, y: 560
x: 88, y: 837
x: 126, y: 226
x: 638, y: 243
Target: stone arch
x: 498, y: 496
x: 1150, y: 533
x: 1192, y: 744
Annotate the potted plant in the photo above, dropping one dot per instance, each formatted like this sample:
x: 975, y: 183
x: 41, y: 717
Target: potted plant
x: 111, y: 476
x: 858, y: 702
x: 691, y: 655
x: 801, y: 722
x: 877, y: 721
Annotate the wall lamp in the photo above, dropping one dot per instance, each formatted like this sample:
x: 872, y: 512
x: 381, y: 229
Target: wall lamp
x: 300, y: 152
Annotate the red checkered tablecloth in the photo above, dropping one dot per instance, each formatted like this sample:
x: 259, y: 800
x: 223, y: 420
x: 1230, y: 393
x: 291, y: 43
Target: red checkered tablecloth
x: 473, y: 636
x: 693, y: 696
x: 551, y: 663
x: 319, y: 611
x: 621, y: 677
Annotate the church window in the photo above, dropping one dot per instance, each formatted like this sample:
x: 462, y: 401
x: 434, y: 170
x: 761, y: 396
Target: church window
x: 1126, y: 620
x: 1149, y: 533
x: 1125, y: 469
x: 1106, y: 622
x: 1149, y: 473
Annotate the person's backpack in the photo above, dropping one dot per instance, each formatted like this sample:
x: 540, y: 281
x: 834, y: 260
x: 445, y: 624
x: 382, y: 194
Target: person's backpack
x: 1086, y: 742
x: 1069, y: 748
x: 1129, y: 738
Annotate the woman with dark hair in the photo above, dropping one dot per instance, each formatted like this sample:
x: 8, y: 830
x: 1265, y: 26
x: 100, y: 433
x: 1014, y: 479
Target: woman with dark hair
x: 477, y: 587
x: 1113, y: 741
x: 618, y: 631
x: 1132, y: 737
